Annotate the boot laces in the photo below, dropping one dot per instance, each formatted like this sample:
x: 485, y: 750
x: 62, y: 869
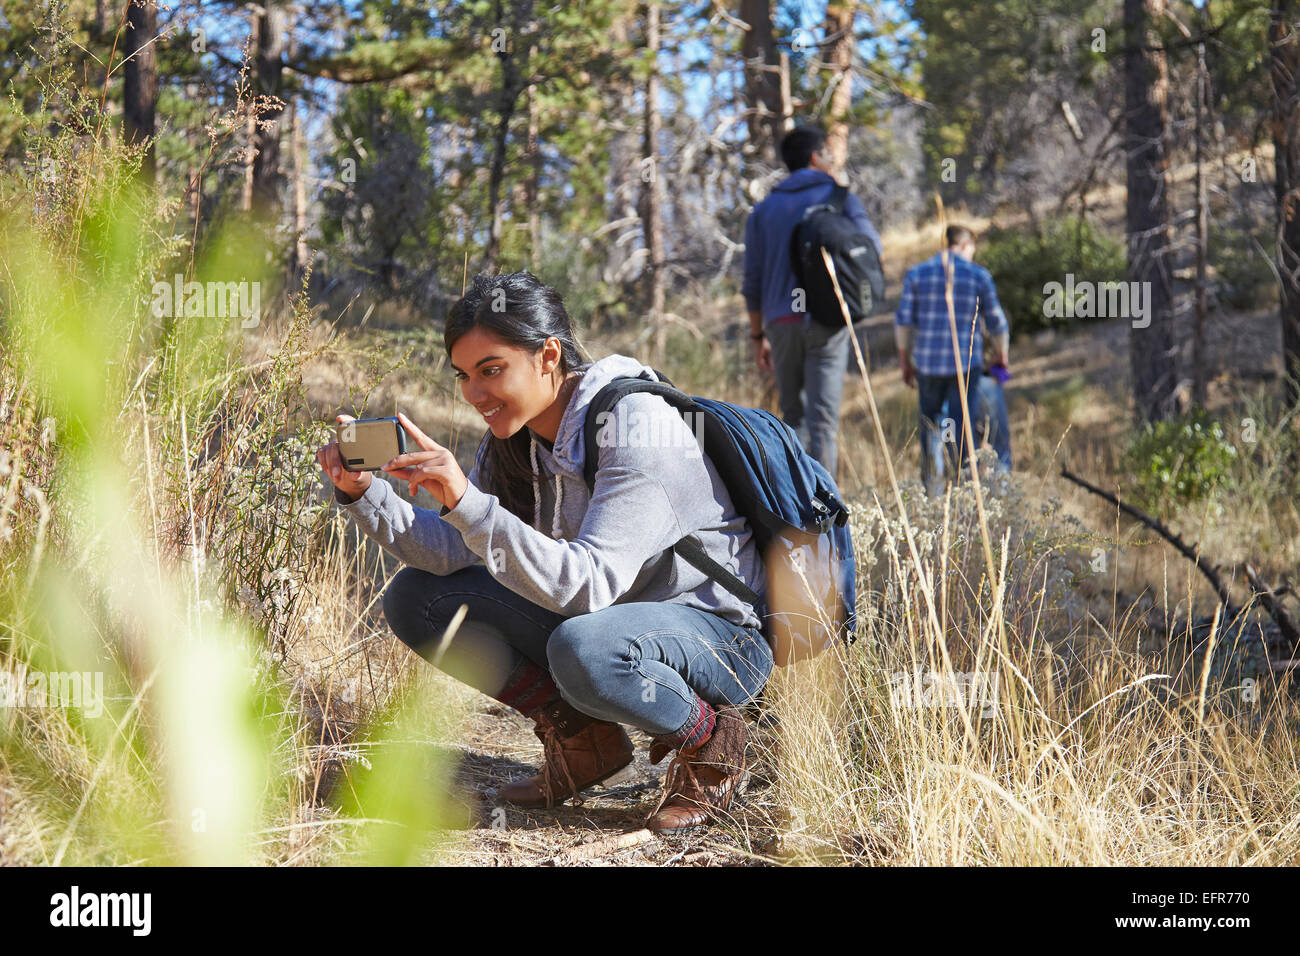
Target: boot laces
x: 680, y: 776
x: 554, y: 760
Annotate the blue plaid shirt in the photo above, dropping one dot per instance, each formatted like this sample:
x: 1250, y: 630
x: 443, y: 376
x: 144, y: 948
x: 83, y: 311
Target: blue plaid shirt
x: 923, y: 306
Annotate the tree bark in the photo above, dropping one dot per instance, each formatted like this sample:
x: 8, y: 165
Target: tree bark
x: 193, y: 170
x: 624, y: 153
x: 838, y: 54
x: 654, y: 240
x: 298, y: 147
x: 1151, y: 339
x: 268, y: 182
x: 513, y: 83
x: 140, y: 81
x: 1200, y: 361
x: 762, y: 81
x: 533, y: 184
x: 787, y: 105
x: 250, y: 128
x: 1284, y: 75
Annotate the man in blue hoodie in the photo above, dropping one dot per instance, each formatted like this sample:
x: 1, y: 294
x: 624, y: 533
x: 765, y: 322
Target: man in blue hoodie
x: 808, y: 358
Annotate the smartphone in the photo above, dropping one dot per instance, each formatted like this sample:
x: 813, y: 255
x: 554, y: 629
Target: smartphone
x: 368, y: 444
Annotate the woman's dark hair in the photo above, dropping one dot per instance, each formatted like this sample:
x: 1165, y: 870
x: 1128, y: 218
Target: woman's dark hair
x: 520, y: 310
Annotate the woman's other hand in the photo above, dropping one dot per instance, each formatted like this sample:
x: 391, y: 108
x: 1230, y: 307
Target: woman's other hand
x: 351, y: 483
x: 433, y: 467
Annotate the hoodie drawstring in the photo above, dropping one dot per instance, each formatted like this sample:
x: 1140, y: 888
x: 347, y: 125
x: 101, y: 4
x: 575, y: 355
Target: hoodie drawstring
x: 537, y: 493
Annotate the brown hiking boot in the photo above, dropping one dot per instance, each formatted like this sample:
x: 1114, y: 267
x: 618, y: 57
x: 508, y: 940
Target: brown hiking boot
x: 579, y: 751
x: 702, y: 780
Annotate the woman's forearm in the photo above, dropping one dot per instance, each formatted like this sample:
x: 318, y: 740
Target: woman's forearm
x: 415, y: 536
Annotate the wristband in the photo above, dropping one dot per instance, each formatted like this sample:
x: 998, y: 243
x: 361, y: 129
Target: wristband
x: 757, y: 335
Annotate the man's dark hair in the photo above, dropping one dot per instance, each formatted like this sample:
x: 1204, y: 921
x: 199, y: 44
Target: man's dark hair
x: 956, y: 235
x: 798, y: 145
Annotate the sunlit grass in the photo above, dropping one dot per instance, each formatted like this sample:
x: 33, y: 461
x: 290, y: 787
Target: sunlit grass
x: 163, y: 535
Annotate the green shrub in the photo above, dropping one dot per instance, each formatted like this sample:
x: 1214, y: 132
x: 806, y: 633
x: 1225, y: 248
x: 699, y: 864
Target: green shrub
x: 1023, y: 262
x: 1179, y: 461
x: 1244, y: 279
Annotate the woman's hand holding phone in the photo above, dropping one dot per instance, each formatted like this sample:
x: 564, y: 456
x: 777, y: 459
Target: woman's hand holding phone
x: 352, y: 483
x: 433, y: 467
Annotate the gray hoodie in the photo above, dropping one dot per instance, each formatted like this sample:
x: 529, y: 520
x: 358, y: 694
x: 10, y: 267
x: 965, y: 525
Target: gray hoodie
x: 612, y: 546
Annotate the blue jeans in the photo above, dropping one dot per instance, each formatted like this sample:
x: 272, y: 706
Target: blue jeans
x: 810, y: 361
x: 943, y: 432
x: 992, y: 420
x: 991, y: 425
x: 640, y: 664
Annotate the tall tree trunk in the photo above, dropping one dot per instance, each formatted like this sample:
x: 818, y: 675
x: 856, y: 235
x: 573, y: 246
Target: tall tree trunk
x: 838, y: 53
x: 1284, y: 74
x: 787, y: 102
x: 762, y: 81
x: 268, y: 182
x: 532, y: 186
x: 250, y: 126
x: 193, y: 169
x: 301, y: 254
x: 298, y: 147
x: 100, y: 75
x: 654, y: 239
x: 624, y: 154
x: 513, y: 82
x: 140, y: 80
x: 1151, y: 346
x: 1200, y: 362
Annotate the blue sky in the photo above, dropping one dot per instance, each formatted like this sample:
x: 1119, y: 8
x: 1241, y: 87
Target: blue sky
x: 810, y: 17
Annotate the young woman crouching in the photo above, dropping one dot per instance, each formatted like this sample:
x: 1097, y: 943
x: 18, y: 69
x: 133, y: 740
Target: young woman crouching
x: 580, y: 614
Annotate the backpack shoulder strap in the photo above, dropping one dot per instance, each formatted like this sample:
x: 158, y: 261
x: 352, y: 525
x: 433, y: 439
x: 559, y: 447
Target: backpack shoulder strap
x: 839, y: 196
x: 605, y: 400
x: 694, y: 553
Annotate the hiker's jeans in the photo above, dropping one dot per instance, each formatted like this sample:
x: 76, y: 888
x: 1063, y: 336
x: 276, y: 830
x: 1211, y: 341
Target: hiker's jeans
x: 639, y: 664
x: 991, y: 426
x: 810, y: 361
x: 992, y: 420
x: 943, y: 433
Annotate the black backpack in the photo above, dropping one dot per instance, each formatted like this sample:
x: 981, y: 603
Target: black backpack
x: 857, y: 264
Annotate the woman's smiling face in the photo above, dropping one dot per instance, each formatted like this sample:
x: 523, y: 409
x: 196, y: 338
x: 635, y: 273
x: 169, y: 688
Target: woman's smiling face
x: 508, y: 385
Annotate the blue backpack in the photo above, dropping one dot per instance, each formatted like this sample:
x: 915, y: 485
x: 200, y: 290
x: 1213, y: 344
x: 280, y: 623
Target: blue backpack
x: 799, y: 522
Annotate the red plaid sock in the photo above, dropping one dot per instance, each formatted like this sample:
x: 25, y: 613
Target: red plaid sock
x: 697, y: 729
x: 528, y: 689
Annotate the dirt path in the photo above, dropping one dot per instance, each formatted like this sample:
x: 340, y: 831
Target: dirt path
x: 503, y: 747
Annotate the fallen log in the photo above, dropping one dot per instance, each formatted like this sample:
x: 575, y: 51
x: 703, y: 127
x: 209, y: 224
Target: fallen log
x: 1191, y: 554
x: 604, y: 846
x: 1267, y: 596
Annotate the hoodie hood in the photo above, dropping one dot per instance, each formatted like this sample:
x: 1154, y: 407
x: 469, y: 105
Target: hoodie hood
x: 801, y: 179
x: 565, y: 460
x: 569, y: 453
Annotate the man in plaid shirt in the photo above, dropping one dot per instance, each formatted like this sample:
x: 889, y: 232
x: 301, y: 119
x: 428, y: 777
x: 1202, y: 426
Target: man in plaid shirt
x: 925, y: 349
